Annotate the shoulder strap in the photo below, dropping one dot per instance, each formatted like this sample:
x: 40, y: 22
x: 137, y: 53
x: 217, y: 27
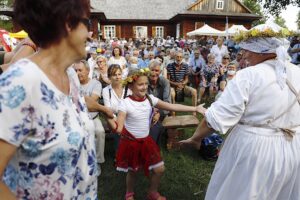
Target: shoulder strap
x: 297, y: 94
x: 150, y: 100
x: 109, y: 91
x: 292, y: 88
x: 152, y: 109
x: 125, y: 93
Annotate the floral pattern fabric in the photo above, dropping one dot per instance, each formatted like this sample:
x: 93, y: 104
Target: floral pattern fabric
x: 54, y: 136
x: 207, y: 74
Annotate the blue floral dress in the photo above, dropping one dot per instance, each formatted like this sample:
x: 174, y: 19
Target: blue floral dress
x: 54, y: 136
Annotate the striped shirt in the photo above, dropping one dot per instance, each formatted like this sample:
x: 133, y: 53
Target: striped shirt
x: 177, y: 75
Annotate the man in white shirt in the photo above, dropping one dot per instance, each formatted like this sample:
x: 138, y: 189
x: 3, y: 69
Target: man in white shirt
x: 93, y: 89
x: 219, y: 50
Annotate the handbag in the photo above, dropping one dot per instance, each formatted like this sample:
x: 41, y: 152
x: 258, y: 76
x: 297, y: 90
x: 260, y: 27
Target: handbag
x: 210, y: 147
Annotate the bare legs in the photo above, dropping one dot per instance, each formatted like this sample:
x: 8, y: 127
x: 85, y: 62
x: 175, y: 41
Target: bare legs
x: 155, y: 178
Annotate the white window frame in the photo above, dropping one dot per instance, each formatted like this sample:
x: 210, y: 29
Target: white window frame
x: 109, y: 30
x: 220, y: 5
x: 159, y: 31
x: 177, y: 30
x: 146, y: 31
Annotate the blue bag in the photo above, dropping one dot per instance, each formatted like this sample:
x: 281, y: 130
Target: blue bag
x: 210, y: 147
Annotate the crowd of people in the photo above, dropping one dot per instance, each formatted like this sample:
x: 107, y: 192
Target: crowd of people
x: 56, y: 83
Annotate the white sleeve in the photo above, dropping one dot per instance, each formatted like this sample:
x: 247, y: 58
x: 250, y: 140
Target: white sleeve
x: 122, y: 106
x: 106, y: 99
x: 97, y: 88
x: 15, y: 105
x: 154, y: 99
x: 229, y: 108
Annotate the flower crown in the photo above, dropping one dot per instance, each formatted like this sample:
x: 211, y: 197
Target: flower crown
x: 255, y: 33
x: 133, y: 77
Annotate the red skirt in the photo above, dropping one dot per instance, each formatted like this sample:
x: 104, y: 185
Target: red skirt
x: 134, y: 154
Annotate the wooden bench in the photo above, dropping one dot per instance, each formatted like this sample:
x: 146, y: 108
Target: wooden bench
x: 173, y: 123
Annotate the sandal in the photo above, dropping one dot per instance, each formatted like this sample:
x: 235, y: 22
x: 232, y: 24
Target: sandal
x: 155, y: 196
x: 129, y: 196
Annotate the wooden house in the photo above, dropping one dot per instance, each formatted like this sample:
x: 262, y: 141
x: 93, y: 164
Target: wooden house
x: 161, y: 18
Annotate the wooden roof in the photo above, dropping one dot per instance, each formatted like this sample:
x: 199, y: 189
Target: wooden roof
x: 141, y: 9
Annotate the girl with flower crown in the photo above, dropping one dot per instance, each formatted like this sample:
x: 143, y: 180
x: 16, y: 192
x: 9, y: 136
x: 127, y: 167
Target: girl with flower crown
x: 137, y: 149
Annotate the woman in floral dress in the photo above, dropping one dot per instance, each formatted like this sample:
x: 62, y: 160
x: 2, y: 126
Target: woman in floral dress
x: 46, y: 138
x: 209, y: 76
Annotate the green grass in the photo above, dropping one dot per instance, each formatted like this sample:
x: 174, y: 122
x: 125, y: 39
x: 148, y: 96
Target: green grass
x: 186, y: 176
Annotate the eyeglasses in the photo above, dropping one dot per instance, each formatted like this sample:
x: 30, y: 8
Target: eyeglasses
x: 226, y: 58
x: 86, y: 22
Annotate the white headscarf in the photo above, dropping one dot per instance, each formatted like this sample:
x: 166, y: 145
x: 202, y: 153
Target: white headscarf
x: 278, y: 46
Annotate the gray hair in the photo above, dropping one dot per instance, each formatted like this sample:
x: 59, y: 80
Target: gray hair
x: 154, y: 63
x: 133, y: 59
x: 85, y: 63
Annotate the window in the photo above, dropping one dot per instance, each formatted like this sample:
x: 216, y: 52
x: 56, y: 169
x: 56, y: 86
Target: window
x: 141, y: 32
x: 220, y: 4
x: 159, y: 30
x: 177, y: 30
x: 109, y: 32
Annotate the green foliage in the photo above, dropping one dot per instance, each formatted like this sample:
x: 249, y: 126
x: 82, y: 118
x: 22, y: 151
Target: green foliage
x: 6, y: 3
x: 280, y: 21
x: 6, y: 24
x: 275, y: 6
x: 298, y: 20
x: 256, y: 8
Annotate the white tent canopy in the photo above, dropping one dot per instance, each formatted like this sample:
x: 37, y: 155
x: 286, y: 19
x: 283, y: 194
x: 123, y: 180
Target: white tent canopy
x: 234, y: 29
x: 206, y: 30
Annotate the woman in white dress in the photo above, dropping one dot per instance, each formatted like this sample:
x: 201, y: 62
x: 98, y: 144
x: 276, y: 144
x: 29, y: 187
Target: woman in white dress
x: 260, y: 158
x: 118, y: 59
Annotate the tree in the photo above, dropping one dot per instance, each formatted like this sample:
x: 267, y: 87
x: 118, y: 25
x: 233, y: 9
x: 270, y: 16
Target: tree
x: 6, y: 3
x: 6, y: 22
x: 298, y: 20
x: 275, y: 6
x: 280, y: 21
x: 256, y: 8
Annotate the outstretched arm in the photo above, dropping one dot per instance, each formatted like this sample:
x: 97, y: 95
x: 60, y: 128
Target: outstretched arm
x: 179, y: 107
x: 201, y: 132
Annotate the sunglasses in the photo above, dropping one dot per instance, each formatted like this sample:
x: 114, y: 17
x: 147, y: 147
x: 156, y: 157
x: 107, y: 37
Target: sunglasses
x: 86, y: 22
x: 226, y: 58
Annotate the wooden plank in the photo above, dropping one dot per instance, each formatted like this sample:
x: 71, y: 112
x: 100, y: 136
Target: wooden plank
x: 180, y: 121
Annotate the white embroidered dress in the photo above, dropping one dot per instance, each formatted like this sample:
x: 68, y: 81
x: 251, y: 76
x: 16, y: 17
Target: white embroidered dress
x: 256, y: 163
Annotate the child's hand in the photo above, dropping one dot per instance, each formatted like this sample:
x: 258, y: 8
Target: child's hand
x: 155, y: 118
x: 200, y: 109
